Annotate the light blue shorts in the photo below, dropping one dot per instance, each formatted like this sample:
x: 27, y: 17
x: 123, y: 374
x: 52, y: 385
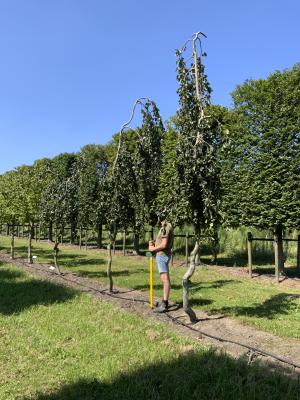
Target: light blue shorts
x: 163, y: 264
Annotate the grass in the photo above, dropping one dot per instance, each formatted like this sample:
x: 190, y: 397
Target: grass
x: 264, y: 305
x: 59, y: 344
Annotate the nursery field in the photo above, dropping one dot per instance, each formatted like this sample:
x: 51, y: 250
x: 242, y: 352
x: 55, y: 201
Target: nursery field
x: 265, y: 304
x: 57, y: 343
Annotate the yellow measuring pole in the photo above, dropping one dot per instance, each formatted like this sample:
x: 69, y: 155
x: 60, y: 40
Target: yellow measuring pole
x: 151, y: 281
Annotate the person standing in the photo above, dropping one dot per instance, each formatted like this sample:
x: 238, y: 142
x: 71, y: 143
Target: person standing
x: 162, y: 248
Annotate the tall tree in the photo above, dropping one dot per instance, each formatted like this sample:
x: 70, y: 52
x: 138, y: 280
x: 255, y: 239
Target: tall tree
x: 196, y: 190
x: 59, y: 200
x: 92, y: 167
x: 8, y: 205
x: 262, y: 182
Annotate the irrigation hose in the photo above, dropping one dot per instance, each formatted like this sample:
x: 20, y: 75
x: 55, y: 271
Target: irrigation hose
x: 176, y: 321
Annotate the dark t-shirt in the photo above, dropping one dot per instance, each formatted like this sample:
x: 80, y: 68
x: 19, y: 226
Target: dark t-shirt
x: 166, y: 231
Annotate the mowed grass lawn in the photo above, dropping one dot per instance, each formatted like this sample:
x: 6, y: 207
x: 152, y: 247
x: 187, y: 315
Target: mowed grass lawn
x: 265, y: 305
x: 60, y: 344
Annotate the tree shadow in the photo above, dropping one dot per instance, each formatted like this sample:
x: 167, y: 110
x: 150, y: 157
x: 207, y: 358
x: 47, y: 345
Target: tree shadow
x: 290, y: 272
x: 199, y: 302
x: 279, y: 304
x: 240, y: 258
x: 16, y: 295
x: 103, y: 274
x: 190, y: 376
x: 213, y: 285
x: 79, y: 262
x: 157, y: 286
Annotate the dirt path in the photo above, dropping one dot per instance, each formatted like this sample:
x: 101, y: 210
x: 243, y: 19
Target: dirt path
x: 224, y: 331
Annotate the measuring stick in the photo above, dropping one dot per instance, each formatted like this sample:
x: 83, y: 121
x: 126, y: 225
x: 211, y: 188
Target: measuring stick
x: 151, y: 281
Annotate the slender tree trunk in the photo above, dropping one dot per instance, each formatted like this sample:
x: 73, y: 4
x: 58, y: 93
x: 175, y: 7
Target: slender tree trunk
x: 109, y: 262
x: 72, y: 233
x: 30, y: 237
x: 216, y: 246
x: 86, y: 238
x: 62, y: 235
x: 194, y: 260
x: 7, y: 230
x: 136, y: 242
x: 124, y: 243
x: 12, y: 242
x: 56, y: 250
x: 99, y: 237
x: 50, y: 232
x: 278, y: 250
x: 80, y: 237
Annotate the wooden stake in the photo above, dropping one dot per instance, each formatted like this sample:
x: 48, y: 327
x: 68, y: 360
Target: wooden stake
x: 250, y: 257
x: 277, y: 257
x: 124, y: 243
x: 187, y: 249
x: 298, y: 255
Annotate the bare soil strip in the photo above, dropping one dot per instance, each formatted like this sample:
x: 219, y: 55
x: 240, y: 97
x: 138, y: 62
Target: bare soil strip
x: 226, y: 329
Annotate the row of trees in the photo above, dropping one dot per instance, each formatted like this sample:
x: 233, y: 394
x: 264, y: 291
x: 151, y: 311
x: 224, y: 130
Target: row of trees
x: 209, y: 165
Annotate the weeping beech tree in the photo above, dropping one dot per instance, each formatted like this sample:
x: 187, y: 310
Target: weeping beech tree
x: 9, y: 212
x: 147, y: 162
x: 133, y: 179
x: 92, y: 165
x: 192, y: 166
x: 59, y: 199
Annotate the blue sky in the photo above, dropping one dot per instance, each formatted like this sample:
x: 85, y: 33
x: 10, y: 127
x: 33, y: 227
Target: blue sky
x: 71, y: 70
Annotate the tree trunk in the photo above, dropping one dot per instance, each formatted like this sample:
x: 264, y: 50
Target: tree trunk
x: 136, y: 242
x: 30, y: 237
x: 56, y: 250
x: 50, y: 232
x: 124, y: 243
x: 62, y: 235
x: 194, y: 259
x: 99, y: 237
x: 109, y: 262
x: 72, y: 233
x: 80, y: 237
x: 7, y: 230
x: 278, y: 250
x: 86, y: 238
x: 216, y: 246
x: 12, y: 242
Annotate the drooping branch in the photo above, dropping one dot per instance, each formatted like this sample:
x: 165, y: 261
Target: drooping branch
x: 140, y: 102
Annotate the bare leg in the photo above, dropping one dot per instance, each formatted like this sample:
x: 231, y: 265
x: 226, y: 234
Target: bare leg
x: 165, y: 278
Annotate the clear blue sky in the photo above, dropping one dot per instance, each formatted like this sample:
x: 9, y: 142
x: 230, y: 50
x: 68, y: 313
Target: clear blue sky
x: 70, y: 70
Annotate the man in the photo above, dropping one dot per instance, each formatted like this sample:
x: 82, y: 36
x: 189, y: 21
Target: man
x: 162, y: 248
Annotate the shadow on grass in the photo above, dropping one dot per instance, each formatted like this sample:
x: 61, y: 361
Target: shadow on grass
x: 279, y: 304
x: 290, y: 272
x: 16, y: 294
x: 103, y: 274
x: 213, y: 285
x: 194, y: 287
x: 191, y: 376
x: 65, y: 259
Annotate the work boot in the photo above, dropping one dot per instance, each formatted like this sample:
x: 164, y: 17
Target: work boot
x: 161, y: 307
